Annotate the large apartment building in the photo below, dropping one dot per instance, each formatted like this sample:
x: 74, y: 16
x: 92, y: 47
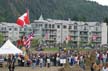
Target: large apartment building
x: 53, y: 32
x: 9, y: 31
x: 80, y: 32
x: 12, y: 31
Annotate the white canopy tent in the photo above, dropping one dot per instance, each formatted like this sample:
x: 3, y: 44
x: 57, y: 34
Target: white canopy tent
x: 9, y: 48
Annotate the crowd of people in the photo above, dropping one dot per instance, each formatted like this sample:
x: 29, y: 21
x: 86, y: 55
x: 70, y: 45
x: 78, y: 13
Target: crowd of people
x: 98, y: 63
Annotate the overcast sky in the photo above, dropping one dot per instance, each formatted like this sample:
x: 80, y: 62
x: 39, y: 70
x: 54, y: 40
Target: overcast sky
x: 102, y: 2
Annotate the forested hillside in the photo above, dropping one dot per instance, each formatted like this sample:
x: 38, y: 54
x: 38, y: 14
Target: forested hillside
x: 55, y: 9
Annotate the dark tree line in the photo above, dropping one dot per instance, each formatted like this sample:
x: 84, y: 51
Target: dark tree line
x: 79, y: 10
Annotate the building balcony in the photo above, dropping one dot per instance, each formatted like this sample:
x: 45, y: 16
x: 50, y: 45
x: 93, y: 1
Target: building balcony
x: 52, y: 33
x: 74, y: 40
x: 71, y: 30
x: 84, y: 40
x: 96, y: 31
x: 50, y: 39
x: 22, y: 32
x: 97, y: 41
x: 84, y: 30
x: 99, y: 36
x: 49, y: 29
x: 4, y: 31
x: 83, y: 35
x: 73, y: 35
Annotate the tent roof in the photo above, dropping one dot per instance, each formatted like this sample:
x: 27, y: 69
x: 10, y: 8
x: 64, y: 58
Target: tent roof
x: 9, y: 48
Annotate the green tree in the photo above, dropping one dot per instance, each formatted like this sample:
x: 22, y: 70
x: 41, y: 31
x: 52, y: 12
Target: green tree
x: 1, y: 38
x: 75, y: 18
x: 34, y: 42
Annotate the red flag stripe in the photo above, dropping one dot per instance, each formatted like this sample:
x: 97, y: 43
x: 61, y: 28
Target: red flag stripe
x: 20, y: 22
x: 28, y: 40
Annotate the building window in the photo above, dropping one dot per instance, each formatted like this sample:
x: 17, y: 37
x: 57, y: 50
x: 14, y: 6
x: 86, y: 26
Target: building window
x: 85, y: 26
x: 58, y: 26
x: 4, y: 28
x: 46, y: 25
x: 49, y: 25
x: 30, y: 29
x: 75, y: 26
x: 97, y: 24
x: 10, y: 29
x: 70, y: 27
x: 40, y: 25
x: 64, y: 26
x: 96, y: 28
x: 15, y: 29
x: 24, y: 29
x: 58, y: 36
x: 53, y: 26
x: 37, y: 25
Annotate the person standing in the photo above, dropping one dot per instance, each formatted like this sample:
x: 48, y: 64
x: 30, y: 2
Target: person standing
x: 34, y: 62
x: 91, y: 67
x: 48, y: 62
x: 104, y: 57
x: 41, y: 62
x: 81, y: 62
x: 105, y: 68
x: 12, y: 66
x: 11, y: 63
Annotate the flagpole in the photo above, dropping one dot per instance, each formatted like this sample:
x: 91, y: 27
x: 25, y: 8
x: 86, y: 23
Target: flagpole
x: 61, y: 37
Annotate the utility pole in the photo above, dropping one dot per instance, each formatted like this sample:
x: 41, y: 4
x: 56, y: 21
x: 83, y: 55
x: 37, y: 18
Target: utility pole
x: 78, y: 43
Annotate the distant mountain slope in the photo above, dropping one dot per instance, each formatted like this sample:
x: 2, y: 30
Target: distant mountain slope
x: 55, y: 9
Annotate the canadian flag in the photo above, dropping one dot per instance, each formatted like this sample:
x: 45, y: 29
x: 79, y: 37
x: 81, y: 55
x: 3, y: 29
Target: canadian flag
x: 23, y: 20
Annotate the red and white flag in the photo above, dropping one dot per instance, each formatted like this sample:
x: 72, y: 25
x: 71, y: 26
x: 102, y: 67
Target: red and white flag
x: 27, y: 41
x: 23, y: 20
x: 27, y: 44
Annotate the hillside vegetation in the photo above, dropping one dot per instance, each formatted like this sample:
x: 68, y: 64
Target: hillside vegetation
x: 55, y: 9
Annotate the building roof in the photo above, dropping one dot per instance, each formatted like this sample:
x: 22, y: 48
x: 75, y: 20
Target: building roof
x: 41, y: 18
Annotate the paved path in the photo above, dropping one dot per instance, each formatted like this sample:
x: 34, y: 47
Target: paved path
x: 30, y: 69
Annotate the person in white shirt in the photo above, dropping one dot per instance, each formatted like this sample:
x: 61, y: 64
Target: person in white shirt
x: 76, y: 59
x: 105, y: 68
x: 48, y: 62
x: 41, y: 62
x: 97, y: 56
x: 104, y: 55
